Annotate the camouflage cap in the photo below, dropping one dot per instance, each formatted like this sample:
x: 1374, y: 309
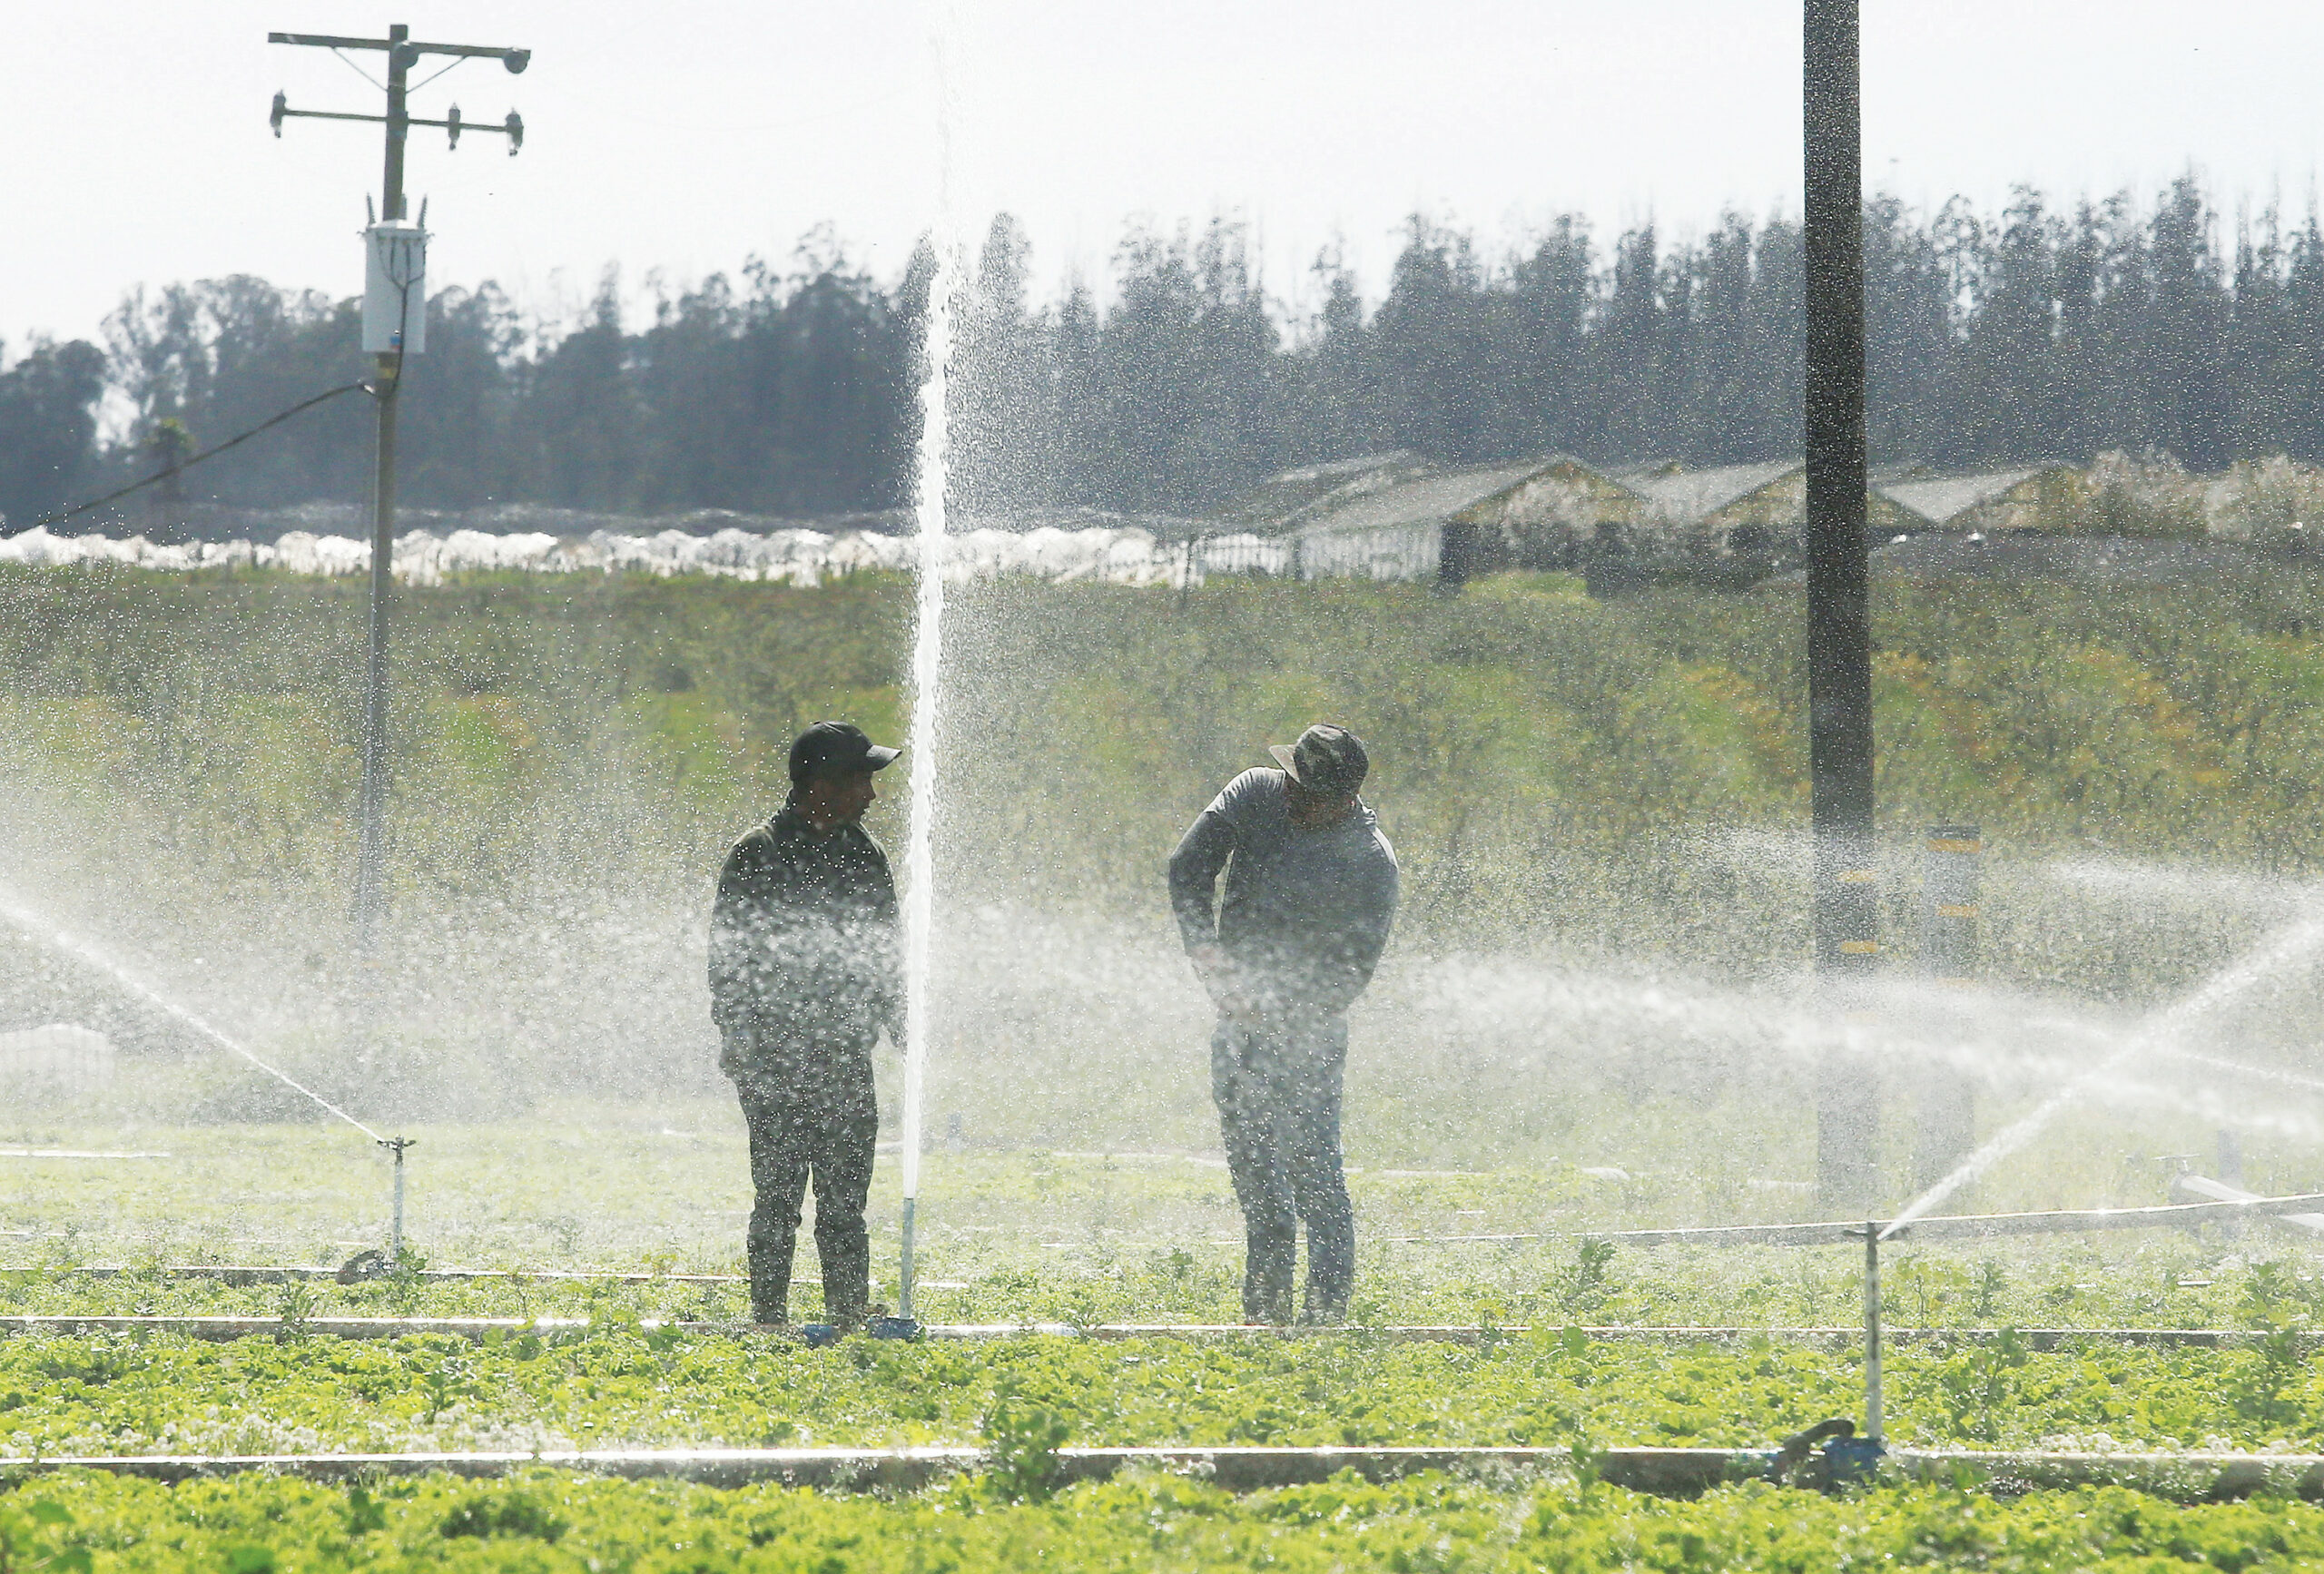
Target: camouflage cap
x: 1329, y: 760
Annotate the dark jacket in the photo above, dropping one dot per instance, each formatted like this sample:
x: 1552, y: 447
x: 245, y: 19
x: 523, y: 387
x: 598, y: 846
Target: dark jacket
x: 802, y: 944
x: 1306, y: 914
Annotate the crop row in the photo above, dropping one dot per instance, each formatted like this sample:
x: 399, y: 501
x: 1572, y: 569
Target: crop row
x: 969, y: 1277
x: 255, y: 1525
x: 622, y: 1386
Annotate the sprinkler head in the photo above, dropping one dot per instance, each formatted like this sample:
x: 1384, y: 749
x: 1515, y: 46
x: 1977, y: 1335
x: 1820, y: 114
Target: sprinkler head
x: 1852, y: 1462
x: 905, y: 1328
x: 1845, y: 1460
x: 371, y: 1265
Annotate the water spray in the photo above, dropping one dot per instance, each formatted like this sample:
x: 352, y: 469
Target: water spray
x: 1945, y: 1126
x: 2258, y: 1073
x: 17, y: 914
x: 2298, y: 941
x: 927, y: 691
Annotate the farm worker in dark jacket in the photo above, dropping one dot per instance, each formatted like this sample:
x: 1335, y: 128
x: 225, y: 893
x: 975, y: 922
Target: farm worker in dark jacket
x: 803, y: 974
x: 1311, y: 892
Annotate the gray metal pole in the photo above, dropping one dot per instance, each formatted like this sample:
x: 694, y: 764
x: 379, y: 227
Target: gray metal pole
x: 371, y: 848
x: 1839, y: 631
x: 395, y: 1229
x: 1945, y: 1129
x: 905, y: 1271
x: 1872, y: 1396
x: 372, y: 857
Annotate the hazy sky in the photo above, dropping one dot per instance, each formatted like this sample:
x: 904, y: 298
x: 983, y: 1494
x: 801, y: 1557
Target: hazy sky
x: 685, y: 136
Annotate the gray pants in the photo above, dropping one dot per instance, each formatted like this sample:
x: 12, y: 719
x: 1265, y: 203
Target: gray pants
x: 1276, y: 1082
x: 810, y: 1120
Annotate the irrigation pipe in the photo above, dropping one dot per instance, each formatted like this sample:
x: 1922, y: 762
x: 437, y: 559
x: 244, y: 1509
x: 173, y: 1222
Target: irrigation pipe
x: 247, y: 1274
x: 221, y: 1328
x: 2227, y: 1205
x: 2308, y: 1224
x: 1960, y: 1226
x: 1963, y: 1226
x: 72, y: 1153
x: 243, y: 1276
x: 1939, y: 1227
x: 2184, y: 1477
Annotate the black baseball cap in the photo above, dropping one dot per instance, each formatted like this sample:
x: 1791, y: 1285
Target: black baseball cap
x: 835, y: 749
x: 1327, y: 760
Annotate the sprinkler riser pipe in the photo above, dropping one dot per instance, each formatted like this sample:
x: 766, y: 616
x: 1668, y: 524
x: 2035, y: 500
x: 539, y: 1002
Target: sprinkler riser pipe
x: 395, y: 1217
x: 1872, y: 1395
x: 904, y: 1271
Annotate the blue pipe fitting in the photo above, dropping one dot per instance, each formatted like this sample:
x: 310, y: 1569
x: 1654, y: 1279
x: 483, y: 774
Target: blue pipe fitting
x: 1852, y: 1462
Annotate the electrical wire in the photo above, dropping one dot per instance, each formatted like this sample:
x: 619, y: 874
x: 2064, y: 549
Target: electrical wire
x: 185, y: 465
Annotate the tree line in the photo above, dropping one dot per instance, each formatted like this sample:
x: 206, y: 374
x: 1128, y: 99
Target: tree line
x: 2044, y: 331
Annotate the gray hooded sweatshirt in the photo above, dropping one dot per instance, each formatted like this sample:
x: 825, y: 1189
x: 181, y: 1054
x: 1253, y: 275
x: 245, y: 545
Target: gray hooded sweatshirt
x: 1306, y: 914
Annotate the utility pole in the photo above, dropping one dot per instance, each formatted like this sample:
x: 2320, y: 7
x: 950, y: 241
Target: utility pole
x: 1839, y: 626
x: 395, y: 273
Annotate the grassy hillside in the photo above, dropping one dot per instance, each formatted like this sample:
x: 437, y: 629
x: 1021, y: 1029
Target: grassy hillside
x: 1580, y: 791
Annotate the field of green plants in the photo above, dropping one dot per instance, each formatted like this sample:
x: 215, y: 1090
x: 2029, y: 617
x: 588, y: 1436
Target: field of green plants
x: 259, y: 1526
x: 1589, y: 1021
x: 1079, y: 1239
x: 628, y: 1379
x: 1536, y: 1378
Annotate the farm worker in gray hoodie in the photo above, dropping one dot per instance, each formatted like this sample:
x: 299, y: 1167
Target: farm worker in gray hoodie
x: 804, y: 971
x: 1310, y: 896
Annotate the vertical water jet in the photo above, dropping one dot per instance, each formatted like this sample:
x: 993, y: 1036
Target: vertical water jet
x: 926, y: 678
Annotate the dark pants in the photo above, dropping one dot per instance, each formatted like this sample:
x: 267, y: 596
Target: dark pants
x: 823, y: 1121
x: 1276, y: 1082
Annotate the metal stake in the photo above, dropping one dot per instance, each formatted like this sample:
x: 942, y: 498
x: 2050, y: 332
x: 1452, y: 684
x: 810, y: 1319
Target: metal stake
x: 904, y: 1274
x: 1872, y: 1420
x: 395, y: 1144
